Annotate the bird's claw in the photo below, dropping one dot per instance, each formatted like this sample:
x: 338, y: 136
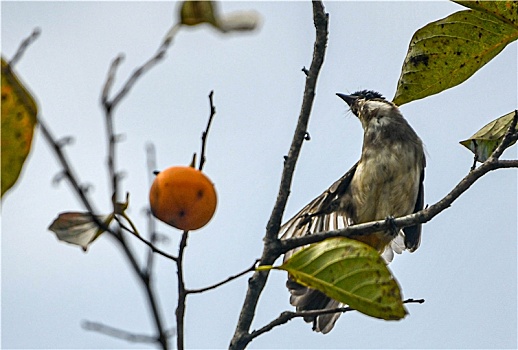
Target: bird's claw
x: 392, y: 224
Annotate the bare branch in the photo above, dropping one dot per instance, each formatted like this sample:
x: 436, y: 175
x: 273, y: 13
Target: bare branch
x: 137, y: 73
x: 81, y: 191
x: 110, y: 79
x: 229, y: 279
x: 153, y: 236
x: 257, y: 282
x: 146, y: 242
x: 286, y: 316
x: 24, y: 45
x: 182, y: 294
x: 145, y: 280
x: 143, y: 275
x: 205, y: 134
x: 109, y: 105
x: 121, y: 334
x: 69, y: 174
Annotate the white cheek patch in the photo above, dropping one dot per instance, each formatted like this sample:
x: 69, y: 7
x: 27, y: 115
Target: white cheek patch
x: 383, y: 108
x: 380, y: 110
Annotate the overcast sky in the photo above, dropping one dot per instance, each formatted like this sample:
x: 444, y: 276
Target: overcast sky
x: 465, y: 269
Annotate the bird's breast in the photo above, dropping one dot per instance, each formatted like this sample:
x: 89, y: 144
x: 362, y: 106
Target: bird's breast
x: 386, y: 183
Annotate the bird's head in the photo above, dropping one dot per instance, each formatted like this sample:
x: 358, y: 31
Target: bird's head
x: 368, y: 104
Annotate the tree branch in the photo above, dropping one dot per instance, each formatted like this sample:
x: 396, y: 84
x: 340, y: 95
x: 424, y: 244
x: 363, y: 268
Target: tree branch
x: 137, y: 73
x: 109, y: 107
x: 229, y: 279
x: 153, y: 235
x: 182, y: 291
x: 151, y: 246
x: 257, y: 282
x: 182, y: 294
x: 205, y: 134
x: 286, y: 316
x: 23, y: 46
x: 121, y: 334
x: 144, y: 276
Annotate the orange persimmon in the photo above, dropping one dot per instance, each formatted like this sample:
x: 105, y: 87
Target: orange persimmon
x: 183, y: 197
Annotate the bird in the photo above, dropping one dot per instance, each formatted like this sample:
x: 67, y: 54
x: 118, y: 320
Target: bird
x: 386, y: 182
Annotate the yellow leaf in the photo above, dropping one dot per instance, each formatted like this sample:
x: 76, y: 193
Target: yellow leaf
x: 19, y: 114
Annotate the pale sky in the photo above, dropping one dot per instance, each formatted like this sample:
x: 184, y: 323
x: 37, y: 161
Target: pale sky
x: 465, y: 269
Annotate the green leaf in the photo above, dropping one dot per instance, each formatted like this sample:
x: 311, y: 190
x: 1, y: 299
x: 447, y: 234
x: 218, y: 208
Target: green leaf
x: 351, y: 272
x: 78, y: 228
x: 445, y: 53
x: 505, y: 10
x: 197, y: 12
x: 19, y: 113
x: 486, y: 140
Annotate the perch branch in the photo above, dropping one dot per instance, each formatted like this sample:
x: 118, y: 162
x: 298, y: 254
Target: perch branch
x: 425, y: 215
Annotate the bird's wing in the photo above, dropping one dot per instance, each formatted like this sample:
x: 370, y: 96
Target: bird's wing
x: 318, y: 215
x: 413, y: 233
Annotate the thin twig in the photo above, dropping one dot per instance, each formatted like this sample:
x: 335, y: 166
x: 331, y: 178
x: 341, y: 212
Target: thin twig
x: 151, y: 167
x: 229, y: 279
x: 145, y: 281
x: 286, y: 316
x: 57, y: 146
x: 24, y: 45
x: 121, y: 334
x: 151, y: 246
x: 110, y: 104
x: 257, y: 282
x: 109, y: 107
x: 137, y: 73
x: 81, y: 191
x: 110, y: 80
x: 182, y: 291
x: 205, y: 134
x: 70, y: 175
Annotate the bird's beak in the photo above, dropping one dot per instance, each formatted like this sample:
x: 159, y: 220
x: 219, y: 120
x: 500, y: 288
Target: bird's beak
x: 347, y: 98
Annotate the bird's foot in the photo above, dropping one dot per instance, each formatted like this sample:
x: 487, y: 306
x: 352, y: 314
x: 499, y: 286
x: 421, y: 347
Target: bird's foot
x: 393, y: 229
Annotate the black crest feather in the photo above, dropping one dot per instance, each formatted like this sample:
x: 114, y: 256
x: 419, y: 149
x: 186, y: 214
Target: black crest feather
x: 368, y: 94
